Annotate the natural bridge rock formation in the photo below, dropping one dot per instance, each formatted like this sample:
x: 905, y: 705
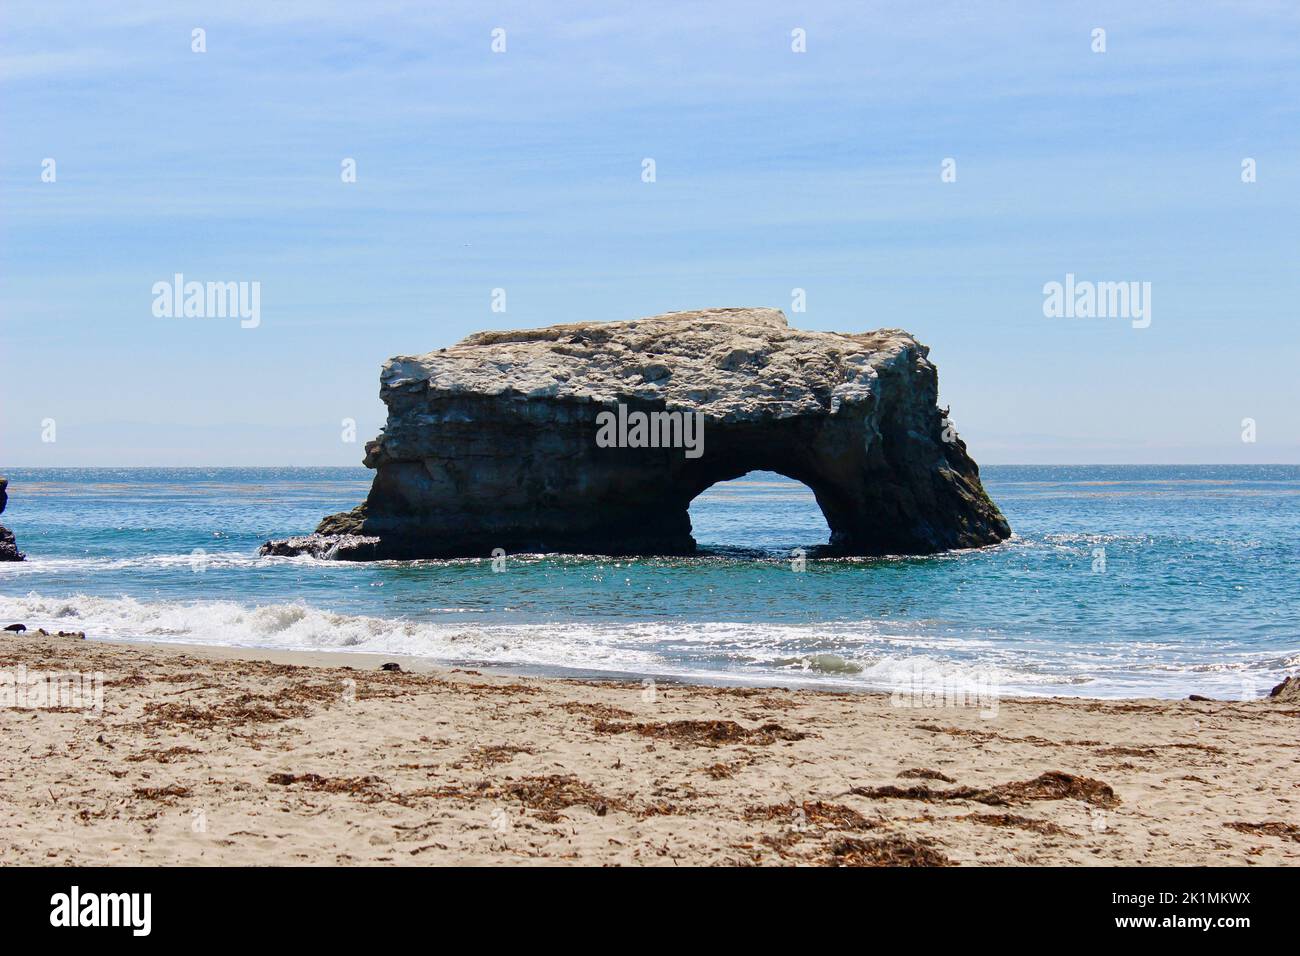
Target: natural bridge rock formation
x: 497, y: 442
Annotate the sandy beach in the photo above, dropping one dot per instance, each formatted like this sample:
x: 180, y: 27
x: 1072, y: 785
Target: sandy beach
x: 209, y: 756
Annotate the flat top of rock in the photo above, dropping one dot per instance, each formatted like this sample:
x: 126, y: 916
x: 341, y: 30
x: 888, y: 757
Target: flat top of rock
x: 732, y: 363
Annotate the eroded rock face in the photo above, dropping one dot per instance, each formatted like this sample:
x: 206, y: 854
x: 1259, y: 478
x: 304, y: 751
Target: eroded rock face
x: 492, y: 443
x: 8, y: 546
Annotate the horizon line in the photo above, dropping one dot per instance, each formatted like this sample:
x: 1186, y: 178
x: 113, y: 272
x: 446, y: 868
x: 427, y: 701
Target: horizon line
x: 987, y: 464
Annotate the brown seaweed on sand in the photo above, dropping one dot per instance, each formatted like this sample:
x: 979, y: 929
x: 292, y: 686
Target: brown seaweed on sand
x: 724, y: 771
x: 1013, y: 821
x: 245, y: 709
x: 1287, y: 831
x: 368, y: 787
x: 1053, y: 785
x: 163, y: 756
x: 890, y: 851
x: 162, y: 793
x: 603, y: 711
x: 558, y: 792
x: 920, y: 773
x: 704, y: 733
x: 481, y: 758
x: 547, y: 794
x: 817, y: 813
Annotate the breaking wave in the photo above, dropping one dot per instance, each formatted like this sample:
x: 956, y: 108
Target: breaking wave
x: 863, y: 655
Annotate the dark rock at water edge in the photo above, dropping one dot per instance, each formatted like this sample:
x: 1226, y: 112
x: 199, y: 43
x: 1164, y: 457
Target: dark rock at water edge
x: 1287, y: 692
x: 341, y: 547
x: 8, y: 546
x: 492, y: 443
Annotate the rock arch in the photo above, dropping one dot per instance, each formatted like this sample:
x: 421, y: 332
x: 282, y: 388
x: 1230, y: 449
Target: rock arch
x: 492, y: 443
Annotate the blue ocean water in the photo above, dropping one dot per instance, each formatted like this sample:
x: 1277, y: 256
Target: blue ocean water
x: 1119, y: 581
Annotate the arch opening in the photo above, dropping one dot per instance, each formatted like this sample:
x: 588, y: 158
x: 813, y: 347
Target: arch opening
x: 758, y: 511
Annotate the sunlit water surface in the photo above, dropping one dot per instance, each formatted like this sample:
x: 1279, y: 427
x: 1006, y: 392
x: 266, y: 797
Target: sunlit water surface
x: 1119, y: 581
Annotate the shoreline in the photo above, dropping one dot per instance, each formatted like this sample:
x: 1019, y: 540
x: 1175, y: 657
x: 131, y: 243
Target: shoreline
x: 235, y: 756
x: 415, y: 663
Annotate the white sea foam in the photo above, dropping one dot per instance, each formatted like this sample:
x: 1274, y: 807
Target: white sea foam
x: 207, y: 559
x: 857, y: 654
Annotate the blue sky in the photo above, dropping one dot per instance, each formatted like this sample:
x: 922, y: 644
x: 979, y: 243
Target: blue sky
x: 522, y: 170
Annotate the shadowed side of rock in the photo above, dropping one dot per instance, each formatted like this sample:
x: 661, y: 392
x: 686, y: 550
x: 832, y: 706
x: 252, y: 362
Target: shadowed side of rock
x: 493, y: 443
x: 8, y: 546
